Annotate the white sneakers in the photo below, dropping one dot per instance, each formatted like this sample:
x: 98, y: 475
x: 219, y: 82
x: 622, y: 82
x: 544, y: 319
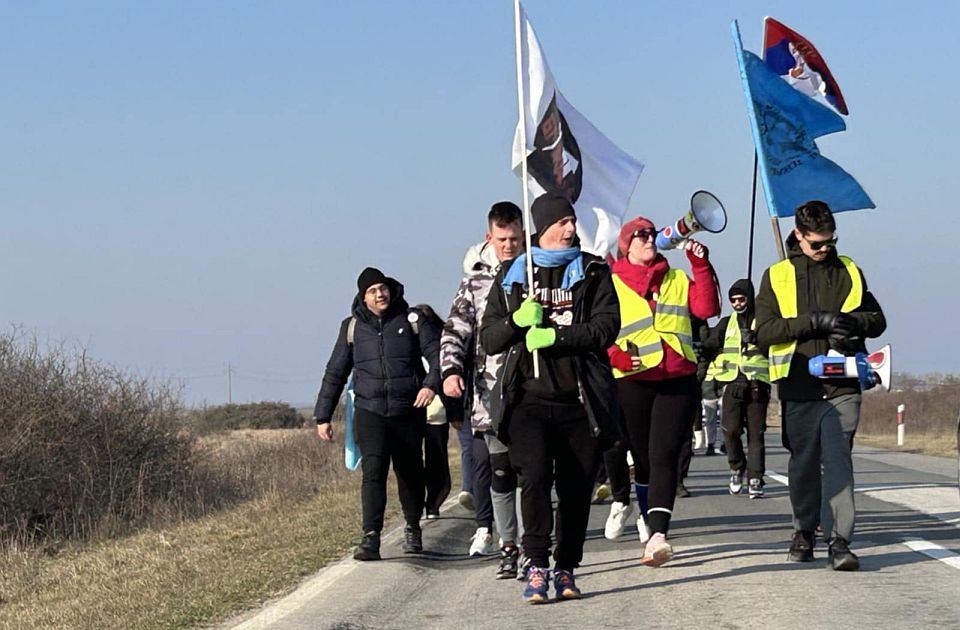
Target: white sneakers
x: 642, y: 530
x: 619, y: 513
x: 482, y: 543
x: 465, y: 499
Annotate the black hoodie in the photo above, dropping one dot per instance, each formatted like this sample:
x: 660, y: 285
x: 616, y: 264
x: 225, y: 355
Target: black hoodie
x: 821, y: 286
x: 386, y: 358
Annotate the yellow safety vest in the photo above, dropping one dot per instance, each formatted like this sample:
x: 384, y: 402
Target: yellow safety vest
x: 648, y: 330
x: 783, y: 281
x: 731, y: 361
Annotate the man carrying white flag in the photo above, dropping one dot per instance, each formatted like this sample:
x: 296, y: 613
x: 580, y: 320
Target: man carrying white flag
x: 567, y: 155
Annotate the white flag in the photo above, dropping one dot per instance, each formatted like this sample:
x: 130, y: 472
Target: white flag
x: 566, y: 154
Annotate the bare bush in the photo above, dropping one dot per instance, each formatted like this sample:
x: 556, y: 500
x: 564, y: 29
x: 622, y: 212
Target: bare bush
x: 260, y: 415
x: 83, y: 444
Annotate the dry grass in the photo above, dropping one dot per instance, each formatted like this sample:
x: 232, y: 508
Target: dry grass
x: 201, y: 571
x: 940, y: 444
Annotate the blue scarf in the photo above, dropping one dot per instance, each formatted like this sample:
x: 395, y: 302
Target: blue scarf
x: 569, y: 257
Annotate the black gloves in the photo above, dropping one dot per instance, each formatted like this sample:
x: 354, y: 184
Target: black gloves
x: 822, y: 322
x: 840, y: 329
x: 749, y: 337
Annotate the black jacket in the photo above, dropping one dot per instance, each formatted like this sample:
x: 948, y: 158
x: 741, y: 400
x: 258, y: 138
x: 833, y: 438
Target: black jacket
x: 821, y: 286
x: 386, y: 358
x: 596, y: 322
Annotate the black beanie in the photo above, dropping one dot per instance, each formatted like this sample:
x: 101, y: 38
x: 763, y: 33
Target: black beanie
x: 549, y: 208
x: 741, y: 287
x: 369, y: 277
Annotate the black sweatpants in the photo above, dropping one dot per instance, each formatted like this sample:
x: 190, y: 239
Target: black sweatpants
x: 658, y: 417
x: 482, y: 478
x: 553, y: 443
x: 436, y: 466
x: 686, y: 449
x: 745, y: 403
x: 614, y: 468
x: 382, y: 439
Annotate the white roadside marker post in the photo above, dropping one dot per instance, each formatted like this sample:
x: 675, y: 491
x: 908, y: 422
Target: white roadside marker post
x: 900, y: 427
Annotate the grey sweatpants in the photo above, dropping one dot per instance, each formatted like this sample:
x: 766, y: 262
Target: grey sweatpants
x: 503, y: 490
x: 819, y: 436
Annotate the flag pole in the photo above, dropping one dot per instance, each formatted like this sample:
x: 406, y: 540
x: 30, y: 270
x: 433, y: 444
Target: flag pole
x: 774, y: 220
x: 523, y: 167
x: 755, y: 129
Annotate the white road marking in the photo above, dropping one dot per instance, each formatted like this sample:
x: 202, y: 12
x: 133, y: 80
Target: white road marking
x: 934, y: 551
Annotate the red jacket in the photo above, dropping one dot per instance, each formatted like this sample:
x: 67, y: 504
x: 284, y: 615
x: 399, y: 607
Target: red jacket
x: 704, y: 303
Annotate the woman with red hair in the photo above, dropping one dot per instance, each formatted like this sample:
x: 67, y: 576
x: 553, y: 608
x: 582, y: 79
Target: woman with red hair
x: 654, y: 362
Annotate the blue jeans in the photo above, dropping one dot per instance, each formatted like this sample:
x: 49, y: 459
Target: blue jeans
x: 465, y: 436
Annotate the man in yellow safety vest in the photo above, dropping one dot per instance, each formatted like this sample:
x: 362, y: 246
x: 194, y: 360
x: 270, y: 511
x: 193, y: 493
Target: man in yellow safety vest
x: 744, y: 369
x: 813, y: 302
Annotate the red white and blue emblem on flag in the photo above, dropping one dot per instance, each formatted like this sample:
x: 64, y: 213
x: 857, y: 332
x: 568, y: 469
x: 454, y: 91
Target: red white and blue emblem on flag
x: 794, y: 58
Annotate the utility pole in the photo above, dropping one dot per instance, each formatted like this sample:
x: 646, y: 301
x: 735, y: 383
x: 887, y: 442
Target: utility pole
x: 229, y: 384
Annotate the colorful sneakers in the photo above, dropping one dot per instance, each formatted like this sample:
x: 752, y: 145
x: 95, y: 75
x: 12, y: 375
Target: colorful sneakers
x: 564, y: 585
x: 736, y: 482
x: 538, y: 582
x: 756, y: 489
x: 508, y: 563
x: 619, y: 513
x: 482, y: 543
x: 657, y: 552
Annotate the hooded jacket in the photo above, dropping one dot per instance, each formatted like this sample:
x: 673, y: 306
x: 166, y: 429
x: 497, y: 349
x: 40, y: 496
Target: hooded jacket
x: 645, y: 280
x: 460, y: 349
x: 821, y: 286
x: 713, y: 343
x: 386, y: 358
x: 596, y: 320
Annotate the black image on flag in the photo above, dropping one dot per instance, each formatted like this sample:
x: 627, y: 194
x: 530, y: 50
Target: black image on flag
x: 555, y: 163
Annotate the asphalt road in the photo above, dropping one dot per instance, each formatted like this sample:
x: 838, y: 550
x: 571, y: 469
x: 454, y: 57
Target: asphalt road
x: 729, y: 571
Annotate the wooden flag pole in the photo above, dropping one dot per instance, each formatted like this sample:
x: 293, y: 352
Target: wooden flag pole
x: 523, y: 167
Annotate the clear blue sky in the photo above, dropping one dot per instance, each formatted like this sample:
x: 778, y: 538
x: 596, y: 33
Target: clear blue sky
x: 189, y: 184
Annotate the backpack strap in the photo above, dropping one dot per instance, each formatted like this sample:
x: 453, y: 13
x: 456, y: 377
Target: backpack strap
x: 351, y: 327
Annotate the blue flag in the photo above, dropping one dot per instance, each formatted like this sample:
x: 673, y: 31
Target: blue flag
x: 785, y: 123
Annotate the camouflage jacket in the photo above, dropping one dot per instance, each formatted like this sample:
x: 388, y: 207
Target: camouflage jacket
x: 460, y: 351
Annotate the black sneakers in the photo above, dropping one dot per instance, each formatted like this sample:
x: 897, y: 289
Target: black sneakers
x: 369, y: 547
x: 801, y: 549
x: 508, y: 563
x: 412, y: 539
x: 841, y: 558
x: 682, y: 492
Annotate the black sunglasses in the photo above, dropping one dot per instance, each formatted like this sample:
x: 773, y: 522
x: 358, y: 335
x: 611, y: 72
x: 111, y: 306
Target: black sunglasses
x: 646, y: 234
x: 818, y: 245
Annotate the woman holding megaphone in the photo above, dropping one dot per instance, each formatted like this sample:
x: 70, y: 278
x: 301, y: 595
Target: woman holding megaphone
x: 654, y: 362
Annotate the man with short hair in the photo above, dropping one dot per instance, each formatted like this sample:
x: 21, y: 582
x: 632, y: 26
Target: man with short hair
x: 744, y: 369
x: 553, y: 425
x: 813, y: 302
x: 470, y: 373
x: 384, y: 342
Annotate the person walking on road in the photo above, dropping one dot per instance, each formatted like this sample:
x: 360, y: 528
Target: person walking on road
x: 655, y: 366
x: 468, y: 371
x: 384, y: 343
x: 553, y: 425
x: 813, y: 302
x: 744, y: 370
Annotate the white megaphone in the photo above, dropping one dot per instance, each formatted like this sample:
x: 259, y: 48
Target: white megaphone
x: 705, y: 213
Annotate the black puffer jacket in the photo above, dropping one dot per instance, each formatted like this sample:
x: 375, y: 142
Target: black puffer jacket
x: 821, y: 286
x: 596, y: 322
x: 386, y: 358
